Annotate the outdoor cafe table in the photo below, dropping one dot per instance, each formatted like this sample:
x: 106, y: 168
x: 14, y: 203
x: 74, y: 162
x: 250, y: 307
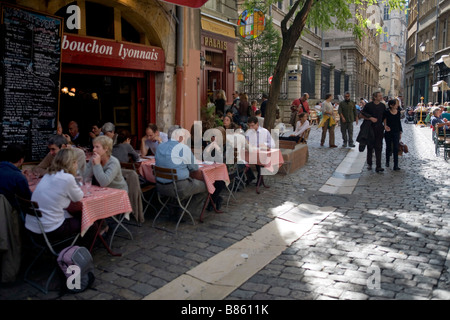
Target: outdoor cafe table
x: 210, y: 173
x: 99, y: 204
x: 207, y: 172
x: 268, y: 159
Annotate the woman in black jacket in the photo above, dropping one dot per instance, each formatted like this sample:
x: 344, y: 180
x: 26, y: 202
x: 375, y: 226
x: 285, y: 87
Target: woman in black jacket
x: 393, y: 131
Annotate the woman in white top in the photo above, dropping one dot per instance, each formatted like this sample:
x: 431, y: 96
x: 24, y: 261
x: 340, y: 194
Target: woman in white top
x: 301, y: 129
x: 57, y: 189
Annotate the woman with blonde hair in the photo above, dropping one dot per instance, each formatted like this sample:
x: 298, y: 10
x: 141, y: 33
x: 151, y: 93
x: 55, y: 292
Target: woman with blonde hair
x: 221, y: 100
x: 57, y: 189
x: 103, y: 167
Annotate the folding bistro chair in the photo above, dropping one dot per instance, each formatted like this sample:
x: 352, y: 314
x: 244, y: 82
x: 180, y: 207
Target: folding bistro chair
x: 42, y: 243
x: 147, y: 190
x: 171, y: 174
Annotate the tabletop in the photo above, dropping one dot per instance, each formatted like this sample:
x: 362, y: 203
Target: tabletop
x: 99, y: 203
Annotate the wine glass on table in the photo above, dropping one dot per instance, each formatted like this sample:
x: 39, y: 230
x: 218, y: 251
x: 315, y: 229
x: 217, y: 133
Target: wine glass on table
x: 87, y: 184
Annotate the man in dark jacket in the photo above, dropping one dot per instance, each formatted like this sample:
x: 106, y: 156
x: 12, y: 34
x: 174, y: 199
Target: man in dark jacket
x: 373, y: 112
x: 348, y: 115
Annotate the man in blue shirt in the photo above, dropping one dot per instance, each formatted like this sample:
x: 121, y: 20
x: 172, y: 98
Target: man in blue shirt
x: 437, y: 119
x: 12, y: 180
x: 174, y: 154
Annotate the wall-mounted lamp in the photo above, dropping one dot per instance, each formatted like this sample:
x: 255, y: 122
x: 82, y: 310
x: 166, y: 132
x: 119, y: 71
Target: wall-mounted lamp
x: 422, y: 48
x: 202, y: 61
x: 364, y: 60
x: 232, y: 66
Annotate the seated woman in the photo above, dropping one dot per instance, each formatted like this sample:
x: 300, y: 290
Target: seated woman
x: 228, y: 123
x: 123, y: 149
x: 301, y: 129
x: 104, y: 168
x: 57, y: 189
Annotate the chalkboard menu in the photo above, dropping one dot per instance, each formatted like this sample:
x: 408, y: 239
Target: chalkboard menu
x: 30, y: 77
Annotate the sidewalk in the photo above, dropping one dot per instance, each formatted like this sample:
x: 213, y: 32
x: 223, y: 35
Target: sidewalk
x: 351, y: 234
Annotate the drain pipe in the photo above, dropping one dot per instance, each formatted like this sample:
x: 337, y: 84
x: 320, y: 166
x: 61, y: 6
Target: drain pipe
x: 179, y: 68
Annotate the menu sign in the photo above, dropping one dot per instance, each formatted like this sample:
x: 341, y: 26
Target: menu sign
x: 30, y: 75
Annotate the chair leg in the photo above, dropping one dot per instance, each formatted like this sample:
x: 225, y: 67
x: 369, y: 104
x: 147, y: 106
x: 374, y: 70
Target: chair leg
x: 119, y: 224
x: 159, y: 212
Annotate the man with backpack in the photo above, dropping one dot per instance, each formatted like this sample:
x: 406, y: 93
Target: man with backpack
x: 298, y: 106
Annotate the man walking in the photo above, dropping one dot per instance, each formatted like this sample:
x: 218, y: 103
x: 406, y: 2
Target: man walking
x: 347, y: 114
x: 373, y: 112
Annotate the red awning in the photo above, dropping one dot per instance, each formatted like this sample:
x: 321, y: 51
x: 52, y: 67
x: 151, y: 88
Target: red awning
x: 187, y: 3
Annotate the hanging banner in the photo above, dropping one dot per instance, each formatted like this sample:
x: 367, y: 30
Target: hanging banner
x: 187, y: 3
x: 251, y: 23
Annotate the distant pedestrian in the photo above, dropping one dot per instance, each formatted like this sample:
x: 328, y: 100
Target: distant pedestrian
x: 348, y: 114
x: 327, y: 123
x: 393, y: 131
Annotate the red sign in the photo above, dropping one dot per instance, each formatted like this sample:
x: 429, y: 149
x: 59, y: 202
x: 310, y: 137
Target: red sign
x: 109, y: 53
x: 270, y: 79
x: 188, y: 3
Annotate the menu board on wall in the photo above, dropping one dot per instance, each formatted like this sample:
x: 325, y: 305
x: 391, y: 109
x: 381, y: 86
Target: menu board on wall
x: 30, y: 78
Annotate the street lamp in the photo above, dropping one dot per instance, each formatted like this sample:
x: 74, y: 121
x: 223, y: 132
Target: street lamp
x: 422, y: 49
x: 232, y: 66
x: 202, y: 61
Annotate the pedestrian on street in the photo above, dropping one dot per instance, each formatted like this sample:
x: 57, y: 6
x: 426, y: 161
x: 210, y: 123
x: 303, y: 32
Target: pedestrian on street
x: 393, y: 132
x: 348, y: 114
x: 373, y: 112
x: 299, y: 106
x: 327, y: 123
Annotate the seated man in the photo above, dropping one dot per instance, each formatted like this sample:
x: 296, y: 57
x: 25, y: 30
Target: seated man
x: 437, y: 119
x: 260, y: 119
x: 175, y: 154
x: 12, y: 180
x: 109, y: 130
x: 152, y: 139
x: 77, y: 138
x: 446, y: 114
x: 56, y: 143
x: 258, y: 137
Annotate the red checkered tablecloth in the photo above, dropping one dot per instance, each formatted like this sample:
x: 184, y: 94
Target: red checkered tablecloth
x: 211, y: 173
x: 102, y: 203
x: 270, y: 159
x: 146, y: 169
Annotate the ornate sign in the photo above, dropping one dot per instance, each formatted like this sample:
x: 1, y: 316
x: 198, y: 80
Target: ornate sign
x: 251, y: 23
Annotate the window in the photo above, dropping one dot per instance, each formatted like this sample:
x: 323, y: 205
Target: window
x: 99, y: 20
x: 280, y: 5
x: 386, y: 12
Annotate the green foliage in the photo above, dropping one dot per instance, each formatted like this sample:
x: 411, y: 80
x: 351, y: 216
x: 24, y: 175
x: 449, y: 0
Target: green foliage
x: 337, y: 14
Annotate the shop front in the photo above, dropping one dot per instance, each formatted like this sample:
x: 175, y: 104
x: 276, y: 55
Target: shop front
x: 218, y: 50
x: 108, y: 81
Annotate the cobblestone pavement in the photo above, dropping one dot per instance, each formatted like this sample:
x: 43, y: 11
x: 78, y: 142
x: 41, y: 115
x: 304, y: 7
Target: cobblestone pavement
x: 389, y: 239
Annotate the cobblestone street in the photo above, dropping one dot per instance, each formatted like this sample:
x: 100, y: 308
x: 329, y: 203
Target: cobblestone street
x: 387, y: 239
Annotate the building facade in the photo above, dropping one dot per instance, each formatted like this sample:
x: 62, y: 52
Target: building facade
x: 427, y: 51
x: 357, y: 58
x: 392, y: 52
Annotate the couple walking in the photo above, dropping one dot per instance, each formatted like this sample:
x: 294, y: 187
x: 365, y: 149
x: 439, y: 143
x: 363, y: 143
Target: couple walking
x: 347, y: 114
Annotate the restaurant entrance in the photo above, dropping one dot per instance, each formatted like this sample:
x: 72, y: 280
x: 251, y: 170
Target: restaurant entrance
x: 89, y: 99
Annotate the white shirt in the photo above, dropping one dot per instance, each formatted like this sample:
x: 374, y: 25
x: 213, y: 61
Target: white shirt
x: 53, y: 195
x: 300, y: 128
x: 260, y: 138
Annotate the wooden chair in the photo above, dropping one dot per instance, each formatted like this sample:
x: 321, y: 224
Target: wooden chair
x: 314, y: 118
x: 42, y: 243
x: 171, y: 174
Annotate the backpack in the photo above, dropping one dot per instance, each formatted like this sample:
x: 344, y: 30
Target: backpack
x: 77, y: 280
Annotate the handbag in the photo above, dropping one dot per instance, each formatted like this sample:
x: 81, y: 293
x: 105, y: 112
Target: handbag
x: 403, y: 148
